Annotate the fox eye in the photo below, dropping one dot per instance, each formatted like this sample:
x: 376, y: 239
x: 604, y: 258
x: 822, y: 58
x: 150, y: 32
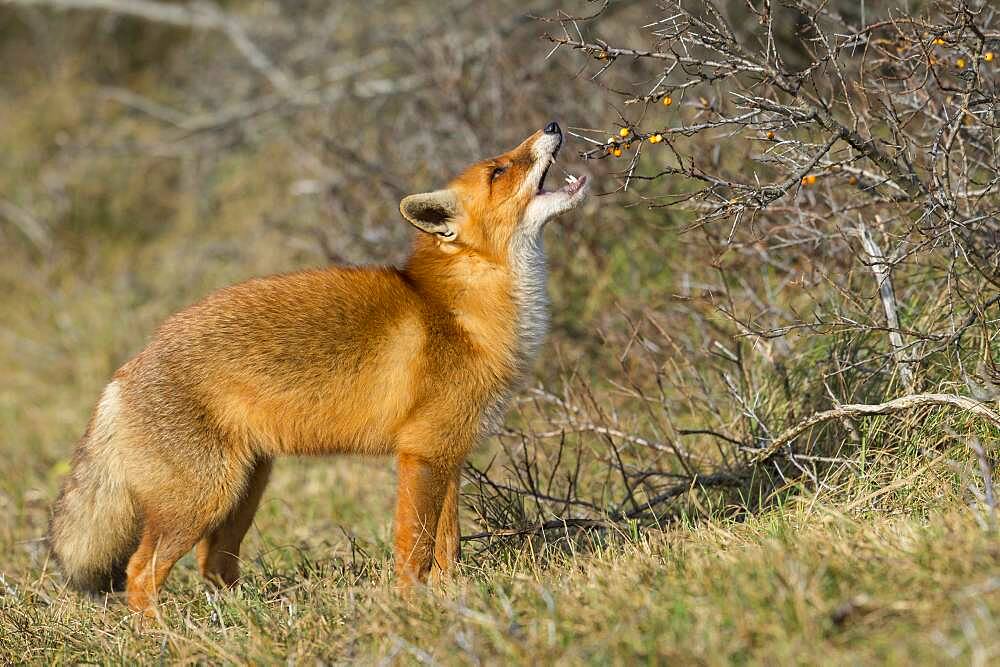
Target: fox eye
x: 496, y: 172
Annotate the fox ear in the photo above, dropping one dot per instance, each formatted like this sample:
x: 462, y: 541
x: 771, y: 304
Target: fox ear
x: 432, y: 212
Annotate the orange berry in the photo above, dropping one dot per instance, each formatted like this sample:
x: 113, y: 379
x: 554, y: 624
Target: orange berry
x: 853, y: 180
x: 657, y: 138
x: 960, y: 63
x: 617, y: 152
x: 624, y: 132
x: 770, y: 135
x: 988, y: 56
x: 667, y: 101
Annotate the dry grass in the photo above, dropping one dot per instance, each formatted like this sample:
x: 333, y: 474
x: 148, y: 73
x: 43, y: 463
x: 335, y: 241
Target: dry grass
x: 810, y: 583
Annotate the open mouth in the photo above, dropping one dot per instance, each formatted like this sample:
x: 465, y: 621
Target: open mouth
x: 541, y: 181
x: 573, y: 183
x: 552, y: 161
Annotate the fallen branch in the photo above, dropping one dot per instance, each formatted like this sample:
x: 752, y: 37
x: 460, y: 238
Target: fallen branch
x: 900, y: 404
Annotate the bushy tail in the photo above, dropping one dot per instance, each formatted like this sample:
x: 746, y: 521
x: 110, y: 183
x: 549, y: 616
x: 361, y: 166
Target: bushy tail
x: 95, y: 524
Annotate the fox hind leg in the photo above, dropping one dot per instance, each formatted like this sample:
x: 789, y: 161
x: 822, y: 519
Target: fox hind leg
x: 180, y: 505
x: 162, y: 544
x: 219, y: 549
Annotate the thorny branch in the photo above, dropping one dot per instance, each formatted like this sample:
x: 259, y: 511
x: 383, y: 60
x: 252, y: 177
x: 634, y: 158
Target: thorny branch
x: 896, y: 118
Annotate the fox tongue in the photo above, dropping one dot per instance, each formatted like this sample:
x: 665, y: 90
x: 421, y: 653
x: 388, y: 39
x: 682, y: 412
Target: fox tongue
x: 573, y: 184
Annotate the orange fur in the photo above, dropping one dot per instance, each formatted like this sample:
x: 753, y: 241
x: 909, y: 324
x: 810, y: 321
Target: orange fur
x: 413, y: 362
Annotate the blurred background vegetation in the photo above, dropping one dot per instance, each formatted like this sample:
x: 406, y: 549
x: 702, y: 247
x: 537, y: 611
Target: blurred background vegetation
x: 157, y: 151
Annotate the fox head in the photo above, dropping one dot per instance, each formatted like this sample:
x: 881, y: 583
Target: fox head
x: 497, y: 200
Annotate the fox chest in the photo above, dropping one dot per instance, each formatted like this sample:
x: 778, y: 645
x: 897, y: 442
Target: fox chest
x: 530, y: 295
x: 531, y: 298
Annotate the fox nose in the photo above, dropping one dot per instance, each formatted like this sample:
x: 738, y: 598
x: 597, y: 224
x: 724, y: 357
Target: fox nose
x: 553, y: 128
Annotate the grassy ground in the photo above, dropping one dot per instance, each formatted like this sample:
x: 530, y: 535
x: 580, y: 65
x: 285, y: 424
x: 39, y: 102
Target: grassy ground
x: 814, y: 582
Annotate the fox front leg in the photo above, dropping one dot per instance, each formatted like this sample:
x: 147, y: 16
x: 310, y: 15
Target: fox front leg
x: 423, y: 486
x: 447, y: 544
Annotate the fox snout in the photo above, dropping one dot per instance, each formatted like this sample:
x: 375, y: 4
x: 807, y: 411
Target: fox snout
x: 551, y: 132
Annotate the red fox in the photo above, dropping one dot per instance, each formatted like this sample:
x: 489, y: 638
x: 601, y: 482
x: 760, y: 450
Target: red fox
x: 417, y: 362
